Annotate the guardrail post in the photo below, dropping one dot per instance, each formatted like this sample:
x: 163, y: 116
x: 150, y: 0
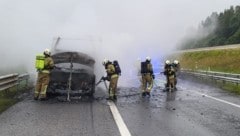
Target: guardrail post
x: 196, y: 65
x: 223, y: 81
x: 26, y: 83
x: 18, y: 83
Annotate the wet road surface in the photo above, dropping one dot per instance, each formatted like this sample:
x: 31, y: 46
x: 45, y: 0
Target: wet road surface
x: 53, y: 118
x: 189, y: 111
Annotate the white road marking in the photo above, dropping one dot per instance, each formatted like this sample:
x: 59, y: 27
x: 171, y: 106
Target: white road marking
x: 118, y: 119
x: 220, y: 100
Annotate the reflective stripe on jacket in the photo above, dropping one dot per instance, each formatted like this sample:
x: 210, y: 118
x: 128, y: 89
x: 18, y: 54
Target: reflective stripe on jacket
x: 48, y: 64
x: 114, y: 76
x: 45, y: 71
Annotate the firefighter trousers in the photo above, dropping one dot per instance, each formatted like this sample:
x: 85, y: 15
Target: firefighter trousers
x: 41, y: 85
x: 147, y: 82
x: 113, y: 86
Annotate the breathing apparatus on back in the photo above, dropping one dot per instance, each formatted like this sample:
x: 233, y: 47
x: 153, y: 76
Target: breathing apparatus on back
x: 40, y: 59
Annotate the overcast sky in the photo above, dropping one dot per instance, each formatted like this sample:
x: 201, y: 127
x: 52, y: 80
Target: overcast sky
x: 121, y: 29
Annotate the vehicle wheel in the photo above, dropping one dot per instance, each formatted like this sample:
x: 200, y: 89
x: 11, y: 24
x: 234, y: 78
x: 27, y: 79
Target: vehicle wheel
x: 50, y: 92
x: 93, y: 85
x: 91, y: 93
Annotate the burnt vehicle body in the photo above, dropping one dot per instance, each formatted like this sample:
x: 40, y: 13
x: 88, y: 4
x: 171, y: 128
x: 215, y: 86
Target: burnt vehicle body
x: 73, y: 75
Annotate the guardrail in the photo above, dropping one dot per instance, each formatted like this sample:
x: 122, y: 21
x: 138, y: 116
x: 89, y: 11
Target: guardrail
x: 225, y: 77
x: 22, y: 78
x: 11, y: 80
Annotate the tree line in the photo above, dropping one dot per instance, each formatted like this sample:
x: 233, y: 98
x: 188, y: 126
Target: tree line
x: 217, y: 29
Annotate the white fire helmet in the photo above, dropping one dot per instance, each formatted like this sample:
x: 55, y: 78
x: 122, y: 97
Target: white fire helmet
x: 47, y: 52
x: 175, y: 62
x: 167, y: 62
x: 148, y: 58
x: 105, y: 61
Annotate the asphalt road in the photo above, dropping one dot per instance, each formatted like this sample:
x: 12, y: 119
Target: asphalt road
x: 195, y: 109
x: 54, y: 118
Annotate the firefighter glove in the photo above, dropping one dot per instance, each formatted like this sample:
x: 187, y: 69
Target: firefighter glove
x: 104, y: 78
x: 153, y: 76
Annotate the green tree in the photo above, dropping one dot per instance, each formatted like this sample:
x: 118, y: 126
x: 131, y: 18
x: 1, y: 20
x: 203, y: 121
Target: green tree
x: 217, y: 29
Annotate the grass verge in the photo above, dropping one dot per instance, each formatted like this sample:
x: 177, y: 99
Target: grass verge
x: 9, y: 97
x: 5, y: 103
x: 233, y: 88
x: 225, y: 60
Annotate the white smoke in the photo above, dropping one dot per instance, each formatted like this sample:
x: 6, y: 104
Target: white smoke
x: 125, y: 30
x: 204, y: 29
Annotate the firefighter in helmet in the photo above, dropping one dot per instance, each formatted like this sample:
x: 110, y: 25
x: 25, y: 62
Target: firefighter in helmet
x: 176, y: 66
x: 43, y: 69
x: 167, y: 67
x: 112, y: 77
x: 147, y: 77
x: 171, y: 78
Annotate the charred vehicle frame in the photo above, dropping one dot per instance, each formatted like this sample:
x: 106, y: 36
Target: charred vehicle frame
x: 73, y: 75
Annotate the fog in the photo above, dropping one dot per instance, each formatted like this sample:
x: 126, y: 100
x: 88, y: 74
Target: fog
x: 124, y: 30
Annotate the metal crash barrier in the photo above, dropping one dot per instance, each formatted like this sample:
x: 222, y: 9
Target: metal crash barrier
x: 225, y: 77
x: 12, y: 80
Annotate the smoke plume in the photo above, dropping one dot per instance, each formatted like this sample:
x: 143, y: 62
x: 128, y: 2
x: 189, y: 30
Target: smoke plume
x: 123, y: 30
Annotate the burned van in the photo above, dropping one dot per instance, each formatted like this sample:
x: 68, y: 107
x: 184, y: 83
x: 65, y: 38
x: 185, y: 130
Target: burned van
x: 73, y: 75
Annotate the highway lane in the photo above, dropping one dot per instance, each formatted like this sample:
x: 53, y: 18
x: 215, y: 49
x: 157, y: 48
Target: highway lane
x: 184, y: 112
x: 53, y: 118
x: 188, y: 111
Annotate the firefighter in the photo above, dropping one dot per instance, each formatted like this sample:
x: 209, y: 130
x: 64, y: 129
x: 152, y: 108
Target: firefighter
x: 43, y: 76
x: 171, y: 78
x: 167, y: 66
x: 112, y: 77
x: 147, y: 77
x: 176, y: 66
